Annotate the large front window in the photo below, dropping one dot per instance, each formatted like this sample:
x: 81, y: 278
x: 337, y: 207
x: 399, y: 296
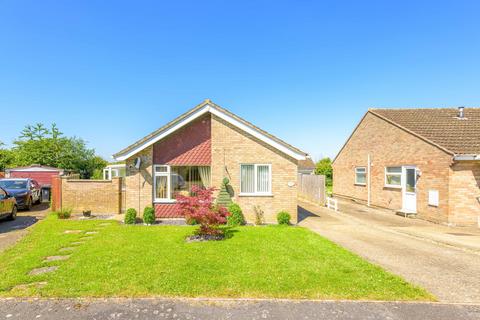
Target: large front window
x: 255, y: 179
x: 172, y: 180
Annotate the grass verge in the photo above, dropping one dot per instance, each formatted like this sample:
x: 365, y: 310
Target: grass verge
x: 140, y: 261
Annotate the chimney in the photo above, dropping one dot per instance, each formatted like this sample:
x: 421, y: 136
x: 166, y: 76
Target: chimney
x: 461, y: 112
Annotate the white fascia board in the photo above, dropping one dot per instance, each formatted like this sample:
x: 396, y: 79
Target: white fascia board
x: 162, y: 135
x: 116, y: 165
x: 229, y: 119
x: 258, y: 135
x: 467, y: 157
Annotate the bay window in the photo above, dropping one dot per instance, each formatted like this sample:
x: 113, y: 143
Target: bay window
x: 172, y: 180
x: 255, y: 179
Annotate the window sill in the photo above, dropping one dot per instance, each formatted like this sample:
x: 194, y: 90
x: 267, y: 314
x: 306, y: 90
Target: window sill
x: 392, y: 186
x: 255, y: 195
x: 166, y: 201
x: 360, y: 184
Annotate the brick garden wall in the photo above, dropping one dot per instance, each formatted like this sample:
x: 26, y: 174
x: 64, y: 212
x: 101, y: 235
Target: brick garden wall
x: 99, y: 196
x: 389, y: 145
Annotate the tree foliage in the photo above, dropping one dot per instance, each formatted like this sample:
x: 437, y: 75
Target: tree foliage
x: 38, y: 144
x: 324, y: 167
x: 6, y: 157
x: 200, y: 207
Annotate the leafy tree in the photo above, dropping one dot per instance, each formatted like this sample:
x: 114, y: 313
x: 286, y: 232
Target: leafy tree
x: 324, y: 167
x: 6, y: 157
x: 200, y: 207
x: 48, y: 146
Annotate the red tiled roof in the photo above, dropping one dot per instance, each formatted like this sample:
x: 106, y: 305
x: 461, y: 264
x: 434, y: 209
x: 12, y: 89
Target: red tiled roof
x: 199, y: 155
x: 190, y: 145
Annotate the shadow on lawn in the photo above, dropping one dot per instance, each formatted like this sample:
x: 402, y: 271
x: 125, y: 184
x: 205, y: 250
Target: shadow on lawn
x: 229, y: 232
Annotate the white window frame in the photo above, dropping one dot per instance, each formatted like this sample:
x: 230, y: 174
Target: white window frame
x: 364, y: 172
x: 255, y: 171
x: 395, y: 186
x: 161, y: 174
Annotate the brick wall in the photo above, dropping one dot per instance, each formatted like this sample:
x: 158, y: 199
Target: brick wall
x: 232, y: 147
x: 390, y: 146
x: 464, y: 190
x: 99, y: 196
x: 139, y: 183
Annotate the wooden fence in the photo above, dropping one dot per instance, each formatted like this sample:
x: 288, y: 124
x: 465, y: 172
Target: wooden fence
x: 312, y: 188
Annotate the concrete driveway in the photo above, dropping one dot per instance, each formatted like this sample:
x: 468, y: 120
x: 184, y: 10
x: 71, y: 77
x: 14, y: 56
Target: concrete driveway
x: 12, y: 231
x: 448, y: 269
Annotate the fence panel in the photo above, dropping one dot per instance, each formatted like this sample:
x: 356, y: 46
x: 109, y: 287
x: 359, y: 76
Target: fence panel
x: 312, y: 188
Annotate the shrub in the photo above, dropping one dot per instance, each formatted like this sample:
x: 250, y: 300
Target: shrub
x: 190, y: 221
x: 224, y: 198
x: 200, y: 207
x: 63, y: 213
x: 149, y: 215
x: 131, y: 216
x: 283, y: 217
x: 259, y: 215
x: 236, y: 217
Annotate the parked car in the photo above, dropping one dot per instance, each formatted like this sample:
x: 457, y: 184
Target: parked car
x: 26, y: 191
x: 8, y: 205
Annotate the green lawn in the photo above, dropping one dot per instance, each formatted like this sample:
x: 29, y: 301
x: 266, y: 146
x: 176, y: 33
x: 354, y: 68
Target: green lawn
x: 272, y: 261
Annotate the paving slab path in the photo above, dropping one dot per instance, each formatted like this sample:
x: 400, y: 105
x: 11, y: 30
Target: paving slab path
x: 451, y: 272
x: 43, y: 270
x: 56, y: 258
x: 72, y: 309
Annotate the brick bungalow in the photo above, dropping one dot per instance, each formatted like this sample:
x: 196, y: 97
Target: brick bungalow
x: 416, y: 161
x: 203, y: 146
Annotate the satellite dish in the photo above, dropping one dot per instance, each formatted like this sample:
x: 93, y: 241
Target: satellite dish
x: 137, y: 162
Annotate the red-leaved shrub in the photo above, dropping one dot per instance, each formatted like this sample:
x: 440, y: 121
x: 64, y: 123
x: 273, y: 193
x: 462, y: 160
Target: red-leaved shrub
x: 200, y: 206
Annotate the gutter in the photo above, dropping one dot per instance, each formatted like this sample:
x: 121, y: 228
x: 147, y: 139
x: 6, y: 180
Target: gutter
x: 466, y: 157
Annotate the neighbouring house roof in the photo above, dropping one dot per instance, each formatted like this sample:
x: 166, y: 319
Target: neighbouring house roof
x: 441, y: 126
x: 34, y: 167
x: 306, y: 165
x: 208, y: 106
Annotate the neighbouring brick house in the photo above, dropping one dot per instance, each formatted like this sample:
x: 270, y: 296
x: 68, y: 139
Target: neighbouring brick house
x: 423, y: 161
x: 306, y: 166
x: 203, y: 146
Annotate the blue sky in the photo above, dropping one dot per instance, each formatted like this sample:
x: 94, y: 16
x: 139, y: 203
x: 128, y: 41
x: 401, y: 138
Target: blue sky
x: 113, y: 71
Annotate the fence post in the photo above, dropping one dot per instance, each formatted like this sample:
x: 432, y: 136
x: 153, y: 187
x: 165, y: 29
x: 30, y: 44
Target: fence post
x: 56, y: 196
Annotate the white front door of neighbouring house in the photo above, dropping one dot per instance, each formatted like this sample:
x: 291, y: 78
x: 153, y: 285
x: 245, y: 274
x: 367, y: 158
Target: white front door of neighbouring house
x: 409, y: 190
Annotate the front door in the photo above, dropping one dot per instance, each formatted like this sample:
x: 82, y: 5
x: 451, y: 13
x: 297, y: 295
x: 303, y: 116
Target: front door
x: 409, y: 190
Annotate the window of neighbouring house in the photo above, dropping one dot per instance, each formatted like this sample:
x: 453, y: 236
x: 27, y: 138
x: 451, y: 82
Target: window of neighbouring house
x: 255, y: 179
x: 393, y: 177
x: 361, y: 175
x: 172, y: 180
